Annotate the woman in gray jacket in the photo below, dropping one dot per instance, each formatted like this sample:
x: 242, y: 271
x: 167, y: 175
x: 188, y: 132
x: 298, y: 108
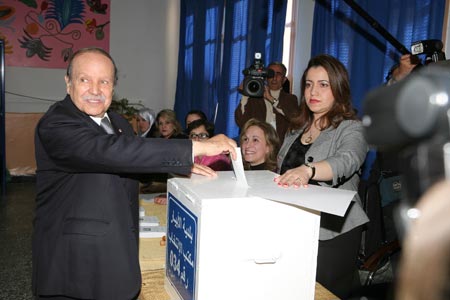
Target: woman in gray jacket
x: 325, y: 146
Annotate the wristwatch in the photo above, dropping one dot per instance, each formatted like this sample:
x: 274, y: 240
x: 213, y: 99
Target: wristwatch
x: 313, y: 169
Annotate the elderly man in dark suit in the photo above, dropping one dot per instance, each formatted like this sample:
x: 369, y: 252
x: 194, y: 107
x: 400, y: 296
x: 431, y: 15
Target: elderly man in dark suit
x: 85, y: 239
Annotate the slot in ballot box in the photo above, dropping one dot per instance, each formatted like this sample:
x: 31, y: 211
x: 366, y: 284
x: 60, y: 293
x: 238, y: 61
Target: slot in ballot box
x: 226, y: 240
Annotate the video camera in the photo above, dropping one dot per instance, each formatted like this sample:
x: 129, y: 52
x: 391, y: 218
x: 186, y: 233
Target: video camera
x: 412, y: 118
x: 431, y: 48
x: 255, y: 75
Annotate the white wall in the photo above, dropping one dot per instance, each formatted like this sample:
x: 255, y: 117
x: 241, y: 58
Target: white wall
x: 446, y: 31
x: 303, y: 36
x: 144, y: 45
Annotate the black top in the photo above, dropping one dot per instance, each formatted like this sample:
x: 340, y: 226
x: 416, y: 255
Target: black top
x: 258, y: 167
x: 295, y: 157
x: 153, y: 132
x: 180, y: 135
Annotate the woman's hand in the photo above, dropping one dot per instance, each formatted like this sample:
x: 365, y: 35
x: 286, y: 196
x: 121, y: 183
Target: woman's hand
x: 296, y: 177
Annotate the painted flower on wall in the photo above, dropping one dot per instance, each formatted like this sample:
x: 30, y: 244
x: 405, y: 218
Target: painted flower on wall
x: 35, y: 46
x: 6, y: 19
x: 97, y: 6
x: 91, y: 27
x: 47, y: 32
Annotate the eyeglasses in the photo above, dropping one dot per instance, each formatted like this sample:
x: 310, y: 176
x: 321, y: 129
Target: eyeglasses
x: 200, y: 136
x: 278, y: 74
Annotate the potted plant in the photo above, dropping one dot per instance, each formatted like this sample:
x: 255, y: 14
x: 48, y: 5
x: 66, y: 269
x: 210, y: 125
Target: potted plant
x: 125, y: 108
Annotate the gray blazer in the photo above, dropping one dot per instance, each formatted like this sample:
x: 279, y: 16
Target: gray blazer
x: 345, y: 149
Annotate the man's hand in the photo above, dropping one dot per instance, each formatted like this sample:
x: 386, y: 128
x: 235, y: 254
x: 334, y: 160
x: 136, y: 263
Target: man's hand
x: 160, y: 199
x: 267, y: 95
x: 216, y: 145
x: 407, y: 64
x: 203, y: 170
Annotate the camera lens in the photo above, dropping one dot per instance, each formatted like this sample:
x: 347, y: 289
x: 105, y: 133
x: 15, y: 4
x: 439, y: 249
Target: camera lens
x: 254, y: 86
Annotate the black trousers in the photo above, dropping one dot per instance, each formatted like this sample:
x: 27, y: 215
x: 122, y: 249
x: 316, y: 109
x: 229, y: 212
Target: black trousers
x: 337, y: 262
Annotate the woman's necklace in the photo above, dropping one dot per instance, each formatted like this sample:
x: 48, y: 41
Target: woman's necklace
x: 308, y: 140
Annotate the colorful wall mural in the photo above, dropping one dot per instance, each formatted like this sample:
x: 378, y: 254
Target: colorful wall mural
x: 45, y: 33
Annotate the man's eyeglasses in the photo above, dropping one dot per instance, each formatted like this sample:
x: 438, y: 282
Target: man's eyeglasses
x: 200, y: 136
x: 278, y: 74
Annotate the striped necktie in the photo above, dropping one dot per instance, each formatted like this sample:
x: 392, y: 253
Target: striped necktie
x: 106, y: 125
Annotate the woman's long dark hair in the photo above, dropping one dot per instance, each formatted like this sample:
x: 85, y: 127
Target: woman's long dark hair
x: 340, y: 87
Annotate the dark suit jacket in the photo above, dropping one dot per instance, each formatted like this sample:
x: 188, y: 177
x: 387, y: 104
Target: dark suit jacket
x: 85, y: 239
x: 256, y: 108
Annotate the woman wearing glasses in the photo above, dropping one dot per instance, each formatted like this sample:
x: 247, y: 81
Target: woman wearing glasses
x: 200, y: 130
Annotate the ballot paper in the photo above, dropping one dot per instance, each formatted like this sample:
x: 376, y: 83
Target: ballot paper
x: 312, y: 197
x: 141, y: 211
x: 152, y: 231
x: 149, y: 221
x: 238, y: 168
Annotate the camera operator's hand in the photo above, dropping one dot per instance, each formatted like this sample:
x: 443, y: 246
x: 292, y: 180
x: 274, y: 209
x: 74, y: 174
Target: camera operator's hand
x: 407, y: 63
x: 241, y: 87
x: 268, y: 96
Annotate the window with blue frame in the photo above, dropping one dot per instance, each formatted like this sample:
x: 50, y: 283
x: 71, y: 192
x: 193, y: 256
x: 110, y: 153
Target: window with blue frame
x: 218, y: 40
x: 340, y: 31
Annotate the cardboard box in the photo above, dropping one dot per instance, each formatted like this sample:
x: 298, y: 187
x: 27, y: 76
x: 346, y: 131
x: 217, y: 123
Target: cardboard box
x: 225, y: 241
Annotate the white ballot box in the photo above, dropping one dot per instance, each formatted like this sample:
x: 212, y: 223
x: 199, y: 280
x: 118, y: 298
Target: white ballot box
x: 226, y: 240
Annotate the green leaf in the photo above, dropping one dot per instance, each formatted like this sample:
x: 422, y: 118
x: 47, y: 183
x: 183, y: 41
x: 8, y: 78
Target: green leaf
x: 30, y: 3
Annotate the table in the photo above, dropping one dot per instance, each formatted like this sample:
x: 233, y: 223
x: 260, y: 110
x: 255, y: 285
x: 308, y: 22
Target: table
x: 152, y: 260
x: 152, y: 253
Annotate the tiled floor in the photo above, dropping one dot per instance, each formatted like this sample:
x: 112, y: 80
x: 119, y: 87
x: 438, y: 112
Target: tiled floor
x: 16, y: 216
